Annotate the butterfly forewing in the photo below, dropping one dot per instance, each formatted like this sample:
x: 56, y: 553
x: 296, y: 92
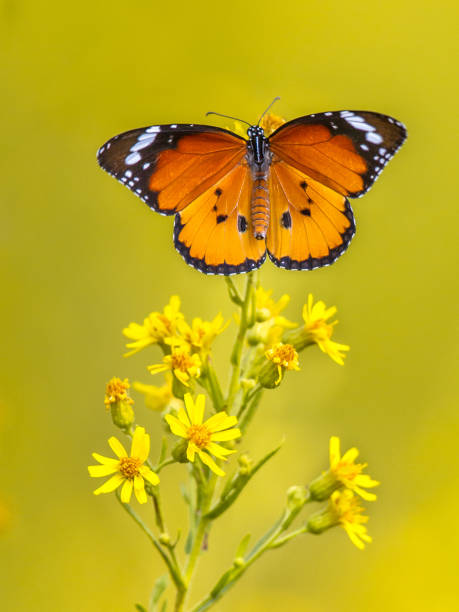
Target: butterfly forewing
x: 167, y: 166
x: 343, y: 150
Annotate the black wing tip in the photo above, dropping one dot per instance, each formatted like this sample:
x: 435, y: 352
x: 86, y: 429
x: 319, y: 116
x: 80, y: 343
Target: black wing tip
x: 223, y: 269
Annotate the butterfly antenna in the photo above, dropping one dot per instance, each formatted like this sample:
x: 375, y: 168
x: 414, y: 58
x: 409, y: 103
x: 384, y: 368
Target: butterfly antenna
x: 227, y: 117
x: 275, y: 100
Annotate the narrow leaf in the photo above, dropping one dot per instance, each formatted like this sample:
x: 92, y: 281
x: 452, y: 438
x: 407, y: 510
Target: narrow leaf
x: 158, y: 589
x: 241, y: 549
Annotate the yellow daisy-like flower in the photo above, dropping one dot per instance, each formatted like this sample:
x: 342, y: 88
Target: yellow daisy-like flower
x: 315, y: 317
x: 181, y: 362
x: 271, y: 122
x: 265, y: 305
x: 285, y: 357
x: 270, y: 323
x: 349, y: 473
x: 128, y: 471
x: 203, y: 436
x: 348, y: 512
x: 156, y: 328
x: 201, y: 334
x: 158, y: 398
x: 116, y: 391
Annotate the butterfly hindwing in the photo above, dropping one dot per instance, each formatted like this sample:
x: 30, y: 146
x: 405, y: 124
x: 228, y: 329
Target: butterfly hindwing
x: 311, y: 225
x: 214, y: 233
x: 343, y: 150
x: 167, y: 166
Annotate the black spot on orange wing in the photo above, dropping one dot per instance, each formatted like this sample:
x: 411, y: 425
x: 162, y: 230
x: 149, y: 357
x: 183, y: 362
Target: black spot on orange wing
x: 241, y: 224
x: 286, y: 220
x: 221, y: 218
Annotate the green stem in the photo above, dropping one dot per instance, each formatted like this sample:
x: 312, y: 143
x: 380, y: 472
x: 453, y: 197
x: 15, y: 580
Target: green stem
x: 236, y: 355
x: 173, y: 568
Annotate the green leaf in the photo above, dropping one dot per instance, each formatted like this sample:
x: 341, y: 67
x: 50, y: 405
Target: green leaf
x: 163, y: 607
x: 239, y: 484
x: 158, y: 589
x: 140, y: 608
x: 241, y: 549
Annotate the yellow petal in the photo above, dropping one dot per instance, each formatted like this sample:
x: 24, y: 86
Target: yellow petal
x: 105, y: 460
x: 183, y: 417
x: 117, y: 447
x: 176, y: 426
x: 149, y: 475
x: 182, y: 377
x: 190, y: 451
x: 218, y: 451
x: 126, y: 491
x: 366, y: 495
x: 110, y: 485
x: 220, y: 421
x: 160, y: 367
x: 350, y: 455
x: 102, y: 470
x: 140, y: 444
x: 334, y: 450
x: 196, y: 410
x: 139, y: 490
x: 229, y: 434
x: 207, y: 459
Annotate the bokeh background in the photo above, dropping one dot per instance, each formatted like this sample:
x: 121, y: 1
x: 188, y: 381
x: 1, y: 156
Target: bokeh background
x: 82, y: 257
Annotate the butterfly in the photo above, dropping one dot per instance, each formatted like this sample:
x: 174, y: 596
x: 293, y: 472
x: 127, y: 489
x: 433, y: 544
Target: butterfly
x: 237, y: 199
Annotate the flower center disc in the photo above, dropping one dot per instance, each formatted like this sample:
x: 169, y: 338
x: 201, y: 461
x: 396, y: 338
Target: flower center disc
x: 199, y: 434
x: 129, y: 466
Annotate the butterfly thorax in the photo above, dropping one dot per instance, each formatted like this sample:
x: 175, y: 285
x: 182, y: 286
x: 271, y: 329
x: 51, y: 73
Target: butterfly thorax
x: 259, y: 160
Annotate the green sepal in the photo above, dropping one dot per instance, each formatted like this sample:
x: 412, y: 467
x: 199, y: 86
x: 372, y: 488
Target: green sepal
x: 140, y: 608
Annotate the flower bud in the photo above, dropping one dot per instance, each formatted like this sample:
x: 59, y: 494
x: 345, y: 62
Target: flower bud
x: 296, y: 497
x: 179, y: 452
x: 322, y: 520
x: 323, y: 486
x: 122, y: 414
x: 245, y: 464
x: 165, y: 539
x: 299, y: 338
x: 269, y: 376
x: 238, y: 562
x: 178, y: 388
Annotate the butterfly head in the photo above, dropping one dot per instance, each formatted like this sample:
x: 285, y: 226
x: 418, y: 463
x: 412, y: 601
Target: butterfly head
x: 257, y: 143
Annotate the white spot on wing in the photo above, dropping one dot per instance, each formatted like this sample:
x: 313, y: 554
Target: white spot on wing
x: 141, y: 144
x: 374, y: 137
x: 153, y: 129
x: 145, y: 166
x: 133, y: 158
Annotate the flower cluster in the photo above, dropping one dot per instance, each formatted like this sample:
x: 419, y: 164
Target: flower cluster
x: 203, y: 430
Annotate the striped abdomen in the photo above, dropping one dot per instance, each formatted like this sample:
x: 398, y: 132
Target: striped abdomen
x: 260, y: 204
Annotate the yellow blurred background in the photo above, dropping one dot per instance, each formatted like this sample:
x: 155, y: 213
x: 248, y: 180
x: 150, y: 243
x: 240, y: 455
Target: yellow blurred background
x: 82, y: 257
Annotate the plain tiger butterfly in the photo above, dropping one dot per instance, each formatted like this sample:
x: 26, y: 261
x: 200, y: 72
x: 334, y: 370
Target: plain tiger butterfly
x: 236, y: 199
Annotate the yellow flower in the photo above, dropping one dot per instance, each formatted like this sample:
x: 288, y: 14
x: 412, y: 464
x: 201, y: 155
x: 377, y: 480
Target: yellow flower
x: 348, y: 473
x: 284, y: 357
x: 266, y: 307
x: 315, y: 317
x: 271, y: 122
x: 345, y: 506
x: 343, y: 509
x: 116, y: 391
x: 202, y: 436
x: 183, y: 364
x: 158, y: 398
x: 156, y: 328
x: 201, y: 334
x: 128, y: 471
x: 270, y: 323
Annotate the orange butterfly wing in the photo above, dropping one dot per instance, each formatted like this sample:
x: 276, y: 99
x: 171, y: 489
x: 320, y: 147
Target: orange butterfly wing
x: 344, y: 150
x: 213, y: 233
x: 200, y: 174
x: 317, y: 161
x: 311, y: 225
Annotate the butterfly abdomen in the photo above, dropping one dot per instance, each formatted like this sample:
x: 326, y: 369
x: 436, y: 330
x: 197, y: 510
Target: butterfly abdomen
x: 260, y: 204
